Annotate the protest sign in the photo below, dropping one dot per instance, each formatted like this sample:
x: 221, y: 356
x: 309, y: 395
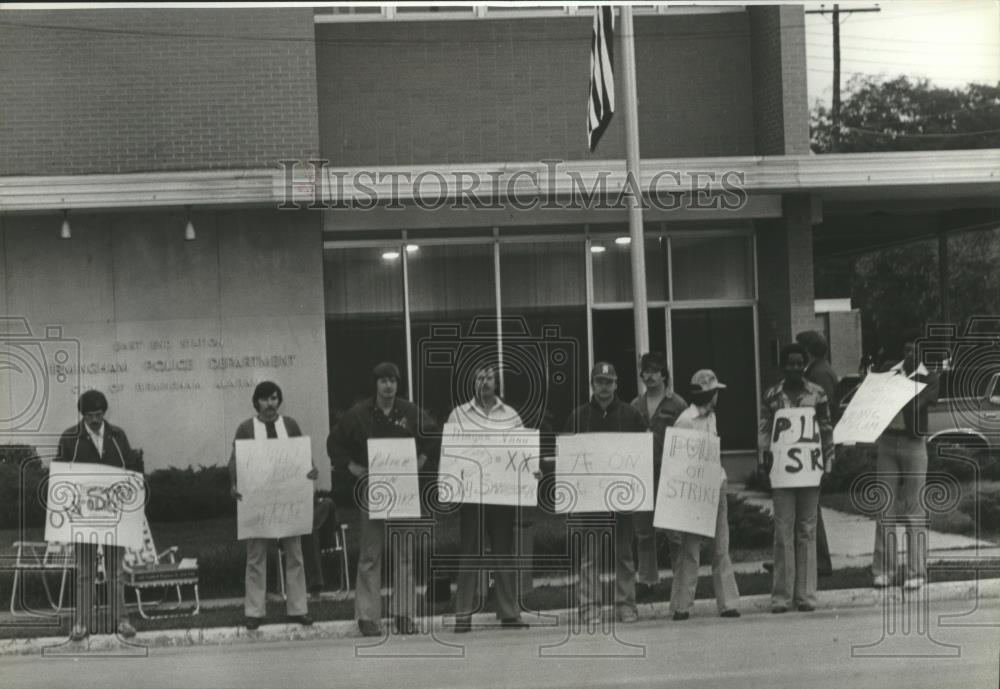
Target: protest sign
x: 393, y: 487
x: 690, y: 480
x: 797, y: 449
x: 95, y: 503
x: 878, y: 399
x: 489, y: 467
x: 604, y: 472
x: 277, y: 497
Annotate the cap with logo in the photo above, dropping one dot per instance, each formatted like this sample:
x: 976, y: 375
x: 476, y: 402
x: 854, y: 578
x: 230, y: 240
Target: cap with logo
x: 705, y: 381
x: 603, y: 369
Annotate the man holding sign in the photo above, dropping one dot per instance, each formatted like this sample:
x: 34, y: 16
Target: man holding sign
x: 685, y: 547
x: 902, y: 462
x: 605, y: 413
x: 95, y: 441
x: 383, y: 416
x: 796, y: 439
x: 486, y: 415
x: 269, y: 425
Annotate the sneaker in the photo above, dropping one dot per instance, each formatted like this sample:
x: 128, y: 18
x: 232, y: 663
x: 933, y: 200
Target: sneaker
x: 79, y: 632
x: 627, y: 616
x: 681, y: 616
x: 913, y: 583
x: 253, y: 623
x: 806, y: 607
x: 463, y: 624
x: 880, y: 581
x: 405, y: 626
x: 304, y: 620
x: 369, y: 628
x: 731, y: 612
x: 125, y: 629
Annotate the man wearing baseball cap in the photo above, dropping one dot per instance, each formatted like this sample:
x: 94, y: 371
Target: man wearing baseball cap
x: 660, y: 406
x: 605, y: 413
x: 685, y: 547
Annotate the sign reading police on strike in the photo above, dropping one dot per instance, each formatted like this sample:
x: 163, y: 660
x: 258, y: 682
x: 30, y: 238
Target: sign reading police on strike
x: 797, y: 449
x: 690, y: 481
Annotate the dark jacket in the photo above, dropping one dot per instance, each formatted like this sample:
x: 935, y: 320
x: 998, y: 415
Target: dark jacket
x: 349, y: 440
x: 821, y: 372
x: 617, y: 418
x: 75, y: 445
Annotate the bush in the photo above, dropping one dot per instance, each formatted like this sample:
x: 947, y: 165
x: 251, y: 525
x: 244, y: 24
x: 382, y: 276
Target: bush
x: 188, y: 494
x: 22, y: 476
x: 750, y: 526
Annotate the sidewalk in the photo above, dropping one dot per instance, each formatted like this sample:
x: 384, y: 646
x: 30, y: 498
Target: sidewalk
x: 851, y: 538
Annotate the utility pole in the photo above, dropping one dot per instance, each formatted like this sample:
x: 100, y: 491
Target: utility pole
x: 835, y: 110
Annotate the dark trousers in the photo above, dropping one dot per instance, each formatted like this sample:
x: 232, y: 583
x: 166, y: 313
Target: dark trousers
x: 824, y: 566
x: 495, y: 522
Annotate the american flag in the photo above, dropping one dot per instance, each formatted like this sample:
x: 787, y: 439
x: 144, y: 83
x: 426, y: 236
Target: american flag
x: 602, y: 76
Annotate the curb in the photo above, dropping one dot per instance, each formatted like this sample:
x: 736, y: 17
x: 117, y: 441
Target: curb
x: 338, y: 629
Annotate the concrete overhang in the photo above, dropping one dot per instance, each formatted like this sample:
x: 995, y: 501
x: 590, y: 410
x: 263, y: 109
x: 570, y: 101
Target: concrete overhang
x: 837, y: 179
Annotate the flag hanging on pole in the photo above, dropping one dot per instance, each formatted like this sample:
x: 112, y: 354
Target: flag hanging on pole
x: 602, y: 75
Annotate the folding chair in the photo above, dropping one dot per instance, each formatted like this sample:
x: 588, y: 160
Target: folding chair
x: 146, y: 568
x: 44, y: 559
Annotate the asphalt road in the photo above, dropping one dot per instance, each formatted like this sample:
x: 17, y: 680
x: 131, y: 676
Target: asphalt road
x: 761, y: 650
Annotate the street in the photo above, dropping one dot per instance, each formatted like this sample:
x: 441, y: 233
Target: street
x: 758, y: 650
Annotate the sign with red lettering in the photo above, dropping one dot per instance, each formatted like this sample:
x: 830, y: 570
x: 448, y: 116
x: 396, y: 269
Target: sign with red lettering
x: 797, y: 449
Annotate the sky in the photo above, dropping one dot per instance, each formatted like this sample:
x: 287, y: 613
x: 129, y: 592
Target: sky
x: 951, y: 42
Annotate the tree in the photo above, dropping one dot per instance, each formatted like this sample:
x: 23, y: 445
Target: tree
x: 901, y: 114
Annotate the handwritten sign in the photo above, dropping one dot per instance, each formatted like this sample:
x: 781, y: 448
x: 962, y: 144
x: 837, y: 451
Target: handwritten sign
x: 489, y: 467
x: 873, y: 407
x: 277, y: 496
x: 690, y: 480
x: 95, y: 503
x: 604, y: 472
x: 797, y: 449
x: 393, y: 488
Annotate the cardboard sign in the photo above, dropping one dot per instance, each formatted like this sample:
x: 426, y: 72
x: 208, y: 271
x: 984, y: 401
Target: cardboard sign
x: 393, y: 487
x: 94, y: 503
x: 690, y: 481
x: 277, y: 496
x: 489, y: 467
x: 873, y: 407
x: 604, y: 472
x: 797, y: 449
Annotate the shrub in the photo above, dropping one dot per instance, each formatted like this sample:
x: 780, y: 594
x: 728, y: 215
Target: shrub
x: 22, y: 476
x: 188, y: 494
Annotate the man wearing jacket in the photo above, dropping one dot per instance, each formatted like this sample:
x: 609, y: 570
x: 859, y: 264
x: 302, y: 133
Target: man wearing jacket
x: 605, y: 413
x: 383, y: 416
x: 95, y: 441
x: 902, y: 463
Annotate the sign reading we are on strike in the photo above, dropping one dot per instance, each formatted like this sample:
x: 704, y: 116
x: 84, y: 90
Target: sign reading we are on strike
x: 797, y: 449
x: 277, y: 496
x: 604, y: 472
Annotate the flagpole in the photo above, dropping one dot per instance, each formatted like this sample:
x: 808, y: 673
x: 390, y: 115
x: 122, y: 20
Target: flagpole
x: 637, y: 245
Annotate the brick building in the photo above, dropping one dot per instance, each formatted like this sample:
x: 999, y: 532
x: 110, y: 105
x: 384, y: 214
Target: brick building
x: 165, y: 237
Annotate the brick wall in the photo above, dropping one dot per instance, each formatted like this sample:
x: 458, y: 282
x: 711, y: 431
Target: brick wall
x: 502, y: 90
x: 780, y: 101
x: 111, y: 91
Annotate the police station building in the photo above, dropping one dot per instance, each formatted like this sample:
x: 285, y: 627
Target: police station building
x: 195, y: 200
